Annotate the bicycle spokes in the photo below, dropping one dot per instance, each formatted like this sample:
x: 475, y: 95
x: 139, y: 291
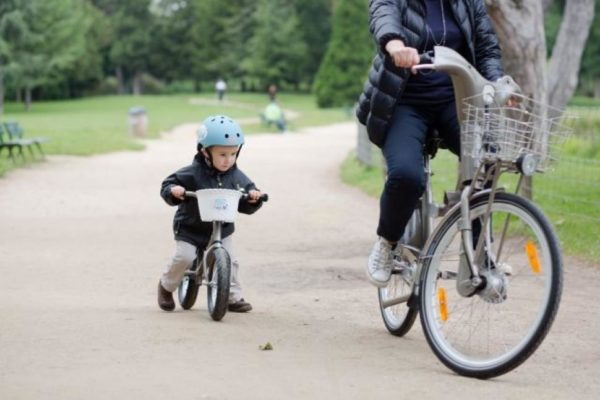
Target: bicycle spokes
x: 503, y: 321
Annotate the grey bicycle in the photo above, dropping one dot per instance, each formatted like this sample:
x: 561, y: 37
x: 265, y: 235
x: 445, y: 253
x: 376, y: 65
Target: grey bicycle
x: 487, y: 280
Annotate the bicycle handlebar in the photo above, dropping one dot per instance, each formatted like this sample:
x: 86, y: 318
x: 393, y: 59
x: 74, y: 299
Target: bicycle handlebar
x: 467, y: 81
x: 263, y: 198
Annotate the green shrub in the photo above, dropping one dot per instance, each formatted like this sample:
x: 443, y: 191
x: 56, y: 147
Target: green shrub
x: 340, y: 78
x: 151, y: 85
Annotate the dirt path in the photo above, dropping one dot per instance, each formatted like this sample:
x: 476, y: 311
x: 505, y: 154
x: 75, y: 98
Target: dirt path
x: 83, y: 241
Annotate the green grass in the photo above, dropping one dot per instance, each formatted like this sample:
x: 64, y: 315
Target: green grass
x: 100, y: 124
x: 570, y: 196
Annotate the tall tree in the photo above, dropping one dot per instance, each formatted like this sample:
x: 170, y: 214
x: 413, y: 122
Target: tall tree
x: 590, y: 67
x: 520, y: 27
x: 208, y: 35
x: 563, y: 70
x: 6, y: 7
x: 239, y: 25
x: 172, y: 47
x: 341, y: 74
x: 314, y: 18
x: 45, y: 40
x: 86, y: 72
x: 132, y: 24
x: 276, y: 48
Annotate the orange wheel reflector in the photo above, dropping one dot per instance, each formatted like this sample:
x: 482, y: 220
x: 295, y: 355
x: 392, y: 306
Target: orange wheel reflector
x: 534, y: 259
x: 443, y: 304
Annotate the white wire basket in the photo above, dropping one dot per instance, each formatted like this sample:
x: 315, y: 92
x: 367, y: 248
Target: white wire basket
x: 502, y: 133
x: 218, y: 204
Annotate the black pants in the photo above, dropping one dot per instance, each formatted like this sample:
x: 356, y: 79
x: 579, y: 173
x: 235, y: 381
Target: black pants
x: 403, y: 152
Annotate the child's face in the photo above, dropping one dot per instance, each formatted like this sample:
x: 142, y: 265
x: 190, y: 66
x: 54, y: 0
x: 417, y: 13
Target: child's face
x: 223, y: 157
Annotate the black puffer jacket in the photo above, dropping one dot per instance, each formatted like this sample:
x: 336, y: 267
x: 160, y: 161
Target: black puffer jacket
x: 187, y: 224
x: 405, y: 20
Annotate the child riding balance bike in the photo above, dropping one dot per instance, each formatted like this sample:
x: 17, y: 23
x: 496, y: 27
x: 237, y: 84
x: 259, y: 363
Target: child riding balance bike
x: 219, y: 143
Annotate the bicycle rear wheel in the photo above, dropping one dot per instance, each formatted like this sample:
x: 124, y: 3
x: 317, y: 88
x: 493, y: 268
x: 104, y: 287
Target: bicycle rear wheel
x: 218, y: 281
x: 187, y: 292
x: 501, y: 325
x: 397, y: 313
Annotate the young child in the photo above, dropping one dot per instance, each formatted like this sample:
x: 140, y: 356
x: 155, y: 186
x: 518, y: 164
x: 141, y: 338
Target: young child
x: 220, y: 140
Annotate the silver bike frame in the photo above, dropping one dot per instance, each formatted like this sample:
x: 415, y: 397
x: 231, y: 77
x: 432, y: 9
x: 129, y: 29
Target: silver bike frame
x: 468, y: 83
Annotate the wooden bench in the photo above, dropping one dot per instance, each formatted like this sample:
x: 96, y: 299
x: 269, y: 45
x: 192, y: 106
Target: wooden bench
x: 17, y: 135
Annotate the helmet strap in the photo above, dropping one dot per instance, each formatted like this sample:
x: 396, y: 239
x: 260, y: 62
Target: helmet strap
x: 207, y: 156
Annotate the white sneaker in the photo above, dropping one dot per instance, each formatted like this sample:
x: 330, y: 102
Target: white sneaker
x: 380, y: 264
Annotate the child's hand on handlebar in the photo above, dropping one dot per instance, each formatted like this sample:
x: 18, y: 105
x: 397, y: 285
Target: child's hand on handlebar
x: 404, y: 57
x: 178, y: 192
x: 254, y: 196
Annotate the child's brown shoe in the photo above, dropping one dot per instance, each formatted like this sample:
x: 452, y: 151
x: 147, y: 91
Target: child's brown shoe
x: 239, y: 306
x: 165, y: 298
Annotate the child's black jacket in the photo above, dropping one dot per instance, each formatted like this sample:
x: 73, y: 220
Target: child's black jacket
x: 187, y: 225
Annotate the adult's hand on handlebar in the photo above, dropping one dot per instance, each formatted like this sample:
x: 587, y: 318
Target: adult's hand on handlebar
x: 403, y: 57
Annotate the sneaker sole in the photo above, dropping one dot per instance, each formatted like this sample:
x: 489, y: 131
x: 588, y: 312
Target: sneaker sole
x: 376, y: 283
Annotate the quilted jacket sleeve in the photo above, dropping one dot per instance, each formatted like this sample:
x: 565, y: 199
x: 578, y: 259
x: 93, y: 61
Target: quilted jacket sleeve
x: 244, y: 207
x: 385, y: 22
x: 487, y: 48
x: 183, y: 177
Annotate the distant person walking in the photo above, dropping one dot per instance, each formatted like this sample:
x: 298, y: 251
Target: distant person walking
x: 220, y: 87
x: 272, y: 91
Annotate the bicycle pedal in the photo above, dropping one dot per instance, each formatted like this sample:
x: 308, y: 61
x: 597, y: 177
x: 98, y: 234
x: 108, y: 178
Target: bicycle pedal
x: 447, y: 275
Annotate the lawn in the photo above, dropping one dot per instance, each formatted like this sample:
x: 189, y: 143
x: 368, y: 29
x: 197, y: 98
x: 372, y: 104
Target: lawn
x: 100, y: 124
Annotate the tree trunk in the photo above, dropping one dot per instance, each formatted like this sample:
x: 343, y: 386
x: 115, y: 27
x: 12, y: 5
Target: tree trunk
x: 27, y: 98
x: 1, y: 92
x: 520, y: 28
x: 563, y: 69
x: 138, y: 86
x: 120, y: 80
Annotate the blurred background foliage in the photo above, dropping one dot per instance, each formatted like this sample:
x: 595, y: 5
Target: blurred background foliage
x: 75, y: 48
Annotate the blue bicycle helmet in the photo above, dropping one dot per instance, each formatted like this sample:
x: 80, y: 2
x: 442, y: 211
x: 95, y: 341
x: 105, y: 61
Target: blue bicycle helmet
x: 219, y: 130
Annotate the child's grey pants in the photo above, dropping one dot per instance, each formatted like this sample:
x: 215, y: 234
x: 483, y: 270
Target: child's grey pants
x: 185, y: 254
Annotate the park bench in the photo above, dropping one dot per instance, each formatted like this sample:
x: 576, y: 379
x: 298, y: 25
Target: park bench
x: 10, y: 145
x: 17, y: 134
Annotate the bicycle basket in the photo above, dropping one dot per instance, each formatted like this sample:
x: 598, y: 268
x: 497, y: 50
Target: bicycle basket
x: 218, y: 204
x: 502, y: 133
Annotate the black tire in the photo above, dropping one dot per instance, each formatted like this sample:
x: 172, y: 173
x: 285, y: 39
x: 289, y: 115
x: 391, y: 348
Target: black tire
x: 187, y: 292
x: 500, y: 326
x: 218, y: 281
x: 399, y: 318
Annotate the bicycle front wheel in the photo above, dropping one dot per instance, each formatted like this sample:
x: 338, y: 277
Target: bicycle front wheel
x: 501, y: 325
x: 218, y: 281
